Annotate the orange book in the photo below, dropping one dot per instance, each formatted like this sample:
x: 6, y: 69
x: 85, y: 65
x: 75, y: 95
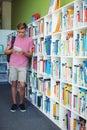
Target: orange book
x: 74, y: 124
x: 57, y: 29
x: 70, y: 17
x: 57, y: 4
x: 42, y: 27
x: 54, y: 89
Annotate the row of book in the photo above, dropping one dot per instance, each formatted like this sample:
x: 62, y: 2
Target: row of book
x: 54, y: 4
x: 66, y: 46
x: 63, y: 46
x: 67, y: 71
x: 81, y: 12
x: 48, y: 26
x: 67, y: 94
x: 3, y: 67
x: 48, y: 106
x: 79, y: 124
x: 37, y: 29
x: 44, y: 86
x: 44, y: 65
x: 56, y: 47
x: 55, y: 71
x: 67, y: 120
x: 80, y: 75
x: 80, y: 102
x: 80, y: 43
x: 33, y: 31
x: 68, y: 18
x: 38, y: 100
x: 56, y: 90
x: 3, y: 58
x: 3, y: 77
x: 53, y: 68
x: 34, y: 81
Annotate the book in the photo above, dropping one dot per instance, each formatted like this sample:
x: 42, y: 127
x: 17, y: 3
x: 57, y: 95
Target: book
x: 17, y: 48
x: 1, y: 48
x: 54, y: 4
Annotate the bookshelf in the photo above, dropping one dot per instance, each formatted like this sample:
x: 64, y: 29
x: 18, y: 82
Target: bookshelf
x: 3, y: 68
x: 4, y: 65
x: 57, y: 76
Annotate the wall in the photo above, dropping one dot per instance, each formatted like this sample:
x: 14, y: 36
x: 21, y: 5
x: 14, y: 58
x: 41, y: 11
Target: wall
x: 23, y: 10
x: 6, y: 15
x: 64, y: 2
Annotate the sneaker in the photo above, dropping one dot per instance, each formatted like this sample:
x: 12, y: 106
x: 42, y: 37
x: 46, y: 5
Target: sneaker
x: 22, y: 107
x: 13, y: 108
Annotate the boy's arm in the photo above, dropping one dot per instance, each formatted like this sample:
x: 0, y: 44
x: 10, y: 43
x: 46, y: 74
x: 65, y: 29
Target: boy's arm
x: 29, y: 53
x: 8, y: 50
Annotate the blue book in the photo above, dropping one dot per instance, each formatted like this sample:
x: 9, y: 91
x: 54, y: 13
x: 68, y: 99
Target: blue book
x: 56, y: 47
x: 85, y: 71
x: 47, y: 105
x: 48, y: 46
x: 48, y: 67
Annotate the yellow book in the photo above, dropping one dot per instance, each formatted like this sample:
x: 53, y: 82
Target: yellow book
x: 65, y: 88
x: 54, y: 110
x: 57, y: 111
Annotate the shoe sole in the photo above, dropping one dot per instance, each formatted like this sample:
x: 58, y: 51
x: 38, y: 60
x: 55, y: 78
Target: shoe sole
x: 23, y: 110
x: 13, y: 110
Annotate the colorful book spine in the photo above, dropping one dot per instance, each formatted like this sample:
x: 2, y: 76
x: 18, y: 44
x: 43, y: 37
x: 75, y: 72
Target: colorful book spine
x: 56, y: 111
x: 85, y: 70
x: 47, y: 107
x: 57, y: 90
x: 67, y: 71
x: 39, y: 101
x: 48, y: 46
x: 35, y: 63
x: 67, y: 94
x: 80, y: 76
x: 48, y: 66
x: 54, y: 4
x: 84, y: 11
x: 79, y: 124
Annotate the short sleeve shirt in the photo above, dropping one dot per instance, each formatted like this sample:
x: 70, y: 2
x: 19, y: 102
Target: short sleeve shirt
x: 25, y: 44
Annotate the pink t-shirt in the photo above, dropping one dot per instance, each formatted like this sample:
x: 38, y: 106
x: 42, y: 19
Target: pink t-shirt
x: 25, y: 44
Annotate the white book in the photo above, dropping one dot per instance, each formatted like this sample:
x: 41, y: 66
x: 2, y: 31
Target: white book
x: 17, y: 48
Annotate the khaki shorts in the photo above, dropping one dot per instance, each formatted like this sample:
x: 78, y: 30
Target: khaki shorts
x: 18, y: 73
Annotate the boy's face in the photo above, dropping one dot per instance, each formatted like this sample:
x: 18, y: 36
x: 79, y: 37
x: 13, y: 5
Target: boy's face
x: 21, y: 32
